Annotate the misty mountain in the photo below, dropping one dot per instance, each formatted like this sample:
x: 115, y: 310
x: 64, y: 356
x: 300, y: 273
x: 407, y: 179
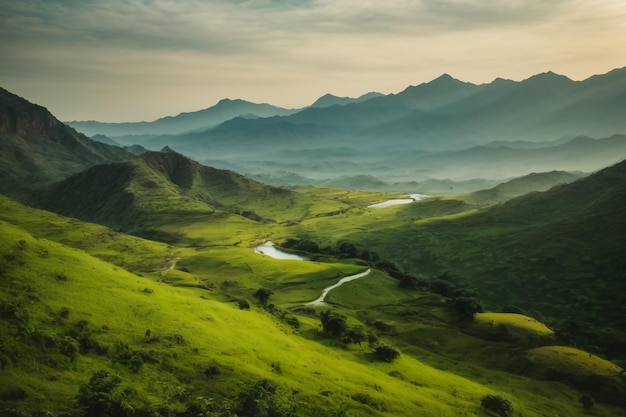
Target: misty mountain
x: 579, y: 154
x: 520, y: 186
x: 184, y: 122
x: 105, y: 139
x: 403, y: 169
x: 443, y: 129
x: 328, y: 100
x: 36, y: 149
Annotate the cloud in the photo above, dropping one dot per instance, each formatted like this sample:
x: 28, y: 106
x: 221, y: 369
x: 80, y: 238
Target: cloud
x: 274, y: 50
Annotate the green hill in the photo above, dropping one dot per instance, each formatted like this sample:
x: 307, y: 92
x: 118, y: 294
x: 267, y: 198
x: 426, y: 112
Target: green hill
x: 161, y: 188
x: 36, y: 149
x: 519, y: 186
x: 556, y: 254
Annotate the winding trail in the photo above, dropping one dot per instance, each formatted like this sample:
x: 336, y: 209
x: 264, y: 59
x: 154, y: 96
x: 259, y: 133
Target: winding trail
x: 320, y: 300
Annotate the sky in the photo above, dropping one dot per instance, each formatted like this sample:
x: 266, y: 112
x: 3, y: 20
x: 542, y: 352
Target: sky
x: 124, y: 60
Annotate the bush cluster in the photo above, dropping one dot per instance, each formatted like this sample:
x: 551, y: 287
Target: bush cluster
x: 497, y: 404
x: 336, y: 325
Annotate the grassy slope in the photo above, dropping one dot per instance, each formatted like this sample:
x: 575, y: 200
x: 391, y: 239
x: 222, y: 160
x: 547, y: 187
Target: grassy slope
x: 46, y: 276
x: 556, y: 254
x: 520, y: 186
x: 161, y: 192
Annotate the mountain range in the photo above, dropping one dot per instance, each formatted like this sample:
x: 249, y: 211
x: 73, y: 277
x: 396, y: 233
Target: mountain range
x: 225, y: 109
x: 133, y: 284
x: 433, y: 130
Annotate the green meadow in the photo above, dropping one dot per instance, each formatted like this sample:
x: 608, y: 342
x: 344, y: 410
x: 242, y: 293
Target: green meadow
x: 180, y: 324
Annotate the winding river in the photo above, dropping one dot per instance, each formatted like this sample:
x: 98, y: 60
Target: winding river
x: 269, y: 249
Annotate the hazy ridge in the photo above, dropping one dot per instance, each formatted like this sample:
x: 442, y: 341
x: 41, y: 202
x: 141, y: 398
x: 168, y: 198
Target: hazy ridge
x: 445, y: 129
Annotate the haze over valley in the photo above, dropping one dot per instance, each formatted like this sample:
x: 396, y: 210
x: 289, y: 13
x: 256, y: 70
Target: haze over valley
x: 440, y: 132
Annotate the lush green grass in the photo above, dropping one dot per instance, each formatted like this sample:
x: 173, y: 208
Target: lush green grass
x: 574, y: 362
x: 124, y: 283
x: 556, y: 255
x: 244, y: 345
x: 47, y: 278
x: 518, y: 326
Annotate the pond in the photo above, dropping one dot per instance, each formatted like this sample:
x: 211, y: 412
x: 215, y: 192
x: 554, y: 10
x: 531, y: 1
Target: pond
x: 269, y: 249
x: 412, y: 199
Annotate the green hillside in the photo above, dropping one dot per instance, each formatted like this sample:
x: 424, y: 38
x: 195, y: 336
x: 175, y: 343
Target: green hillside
x: 519, y: 186
x: 159, y: 190
x: 83, y: 336
x: 557, y: 255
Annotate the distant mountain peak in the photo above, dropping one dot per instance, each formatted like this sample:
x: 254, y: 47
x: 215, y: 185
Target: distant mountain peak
x: 328, y: 99
x: 225, y: 101
x: 549, y: 76
x: 445, y: 76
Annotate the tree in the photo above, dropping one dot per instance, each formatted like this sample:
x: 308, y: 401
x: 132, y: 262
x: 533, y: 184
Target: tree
x: 354, y: 335
x: 443, y: 287
x: 347, y: 250
x: 386, y: 353
x: 466, y: 307
x: 497, y: 404
x: 98, y: 398
x: 333, y: 323
x: 263, y: 295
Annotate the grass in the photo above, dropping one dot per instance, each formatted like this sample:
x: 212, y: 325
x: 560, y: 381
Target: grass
x: 526, y: 330
x: 119, y: 310
x: 574, y: 362
x: 116, y: 283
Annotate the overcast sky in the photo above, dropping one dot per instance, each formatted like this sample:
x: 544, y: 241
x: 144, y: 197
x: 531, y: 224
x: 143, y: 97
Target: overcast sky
x: 123, y: 60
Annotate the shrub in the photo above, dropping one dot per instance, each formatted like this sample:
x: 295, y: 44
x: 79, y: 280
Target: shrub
x: 386, y: 353
x: 443, y: 287
x: 264, y: 399
x: 212, y: 370
x: 354, y: 335
x: 498, y: 405
x: 333, y: 323
x: 466, y: 307
x: 69, y: 347
x: 98, y: 399
x: 263, y: 295
x: 293, y: 322
x: 207, y: 407
x: 64, y: 312
x: 17, y: 314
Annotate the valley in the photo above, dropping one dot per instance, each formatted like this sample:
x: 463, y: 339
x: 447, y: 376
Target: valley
x: 155, y: 285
